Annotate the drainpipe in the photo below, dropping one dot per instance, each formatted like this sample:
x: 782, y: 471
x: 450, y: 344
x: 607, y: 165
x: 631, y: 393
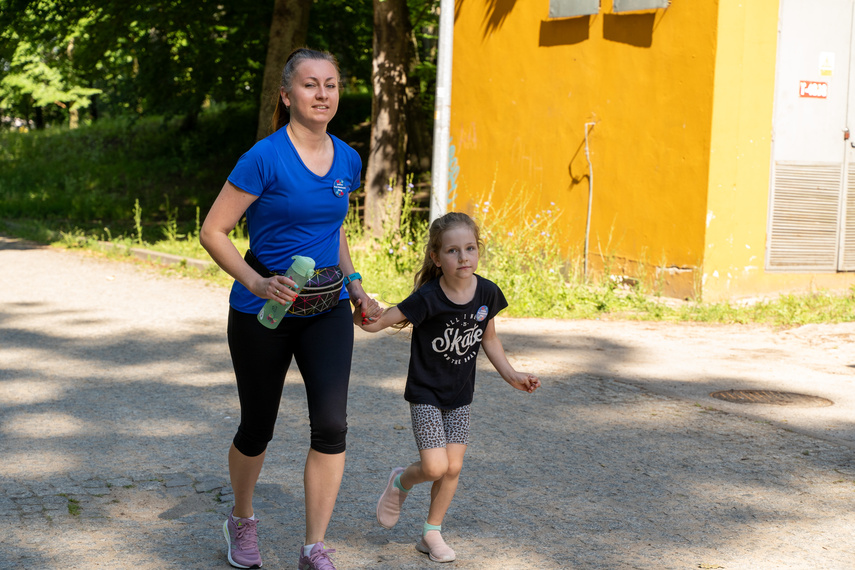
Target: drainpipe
x: 590, y: 196
x: 442, y: 113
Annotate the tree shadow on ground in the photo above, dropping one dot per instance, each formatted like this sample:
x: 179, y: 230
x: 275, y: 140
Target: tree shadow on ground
x: 591, y: 471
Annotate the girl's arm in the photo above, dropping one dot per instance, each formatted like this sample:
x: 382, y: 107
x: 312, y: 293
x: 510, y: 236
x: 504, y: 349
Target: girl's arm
x: 358, y: 296
x: 225, y: 213
x: 390, y: 316
x: 496, y: 353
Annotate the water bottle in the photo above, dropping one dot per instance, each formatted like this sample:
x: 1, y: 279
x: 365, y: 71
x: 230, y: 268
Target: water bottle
x: 300, y: 271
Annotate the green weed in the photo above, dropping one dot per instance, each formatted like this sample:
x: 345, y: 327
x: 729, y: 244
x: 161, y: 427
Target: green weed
x: 138, y: 221
x: 73, y: 505
x: 388, y: 263
x: 143, y: 183
x: 170, y: 226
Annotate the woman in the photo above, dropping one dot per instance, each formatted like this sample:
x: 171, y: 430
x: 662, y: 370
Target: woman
x: 293, y: 187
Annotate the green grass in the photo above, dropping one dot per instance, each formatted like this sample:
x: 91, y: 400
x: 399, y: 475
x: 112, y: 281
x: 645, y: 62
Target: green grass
x: 91, y: 178
x: 536, y: 280
x: 147, y: 184
x: 785, y: 310
x: 73, y: 505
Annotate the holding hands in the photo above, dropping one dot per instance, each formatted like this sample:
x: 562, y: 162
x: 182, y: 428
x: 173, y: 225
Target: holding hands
x: 365, y: 309
x: 370, y: 316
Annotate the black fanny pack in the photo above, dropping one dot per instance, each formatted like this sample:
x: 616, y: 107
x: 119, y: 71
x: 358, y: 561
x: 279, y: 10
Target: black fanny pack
x: 320, y: 293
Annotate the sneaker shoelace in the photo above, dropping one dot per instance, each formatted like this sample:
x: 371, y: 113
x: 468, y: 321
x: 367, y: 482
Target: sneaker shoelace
x: 320, y: 560
x: 246, y: 536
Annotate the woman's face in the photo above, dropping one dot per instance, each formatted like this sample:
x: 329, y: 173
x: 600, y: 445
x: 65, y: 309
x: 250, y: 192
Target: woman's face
x: 313, y: 98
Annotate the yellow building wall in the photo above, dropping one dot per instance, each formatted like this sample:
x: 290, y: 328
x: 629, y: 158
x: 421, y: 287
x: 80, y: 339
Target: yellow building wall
x: 523, y: 89
x: 740, y: 160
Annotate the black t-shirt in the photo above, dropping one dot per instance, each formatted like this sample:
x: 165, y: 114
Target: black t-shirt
x: 446, y: 340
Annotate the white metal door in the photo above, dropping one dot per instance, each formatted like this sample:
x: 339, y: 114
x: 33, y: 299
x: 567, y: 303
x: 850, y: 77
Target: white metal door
x: 811, y: 172
x: 846, y: 253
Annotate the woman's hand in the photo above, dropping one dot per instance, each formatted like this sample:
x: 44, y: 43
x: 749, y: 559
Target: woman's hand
x: 369, y: 308
x: 360, y: 315
x: 279, y: 288
x: 386, y: 318
x: 358, y: 296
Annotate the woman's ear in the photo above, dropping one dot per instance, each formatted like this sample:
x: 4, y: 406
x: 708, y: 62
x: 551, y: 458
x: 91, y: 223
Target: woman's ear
x: 283, y: 95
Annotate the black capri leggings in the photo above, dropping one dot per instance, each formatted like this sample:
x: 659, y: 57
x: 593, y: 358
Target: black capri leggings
x: 322, y: 346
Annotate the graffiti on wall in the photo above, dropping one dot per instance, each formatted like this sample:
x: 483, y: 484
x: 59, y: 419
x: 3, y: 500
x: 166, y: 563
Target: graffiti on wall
x: 453, y: 171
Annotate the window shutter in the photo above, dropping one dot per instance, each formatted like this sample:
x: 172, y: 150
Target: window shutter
x: 635, y: 5
x: 848, y: 241
x: 804, y: 213
x: 571, y: 8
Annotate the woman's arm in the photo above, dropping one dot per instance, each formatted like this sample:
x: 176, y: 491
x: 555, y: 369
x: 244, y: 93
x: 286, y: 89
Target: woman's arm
x: 358, y: 296
x: 496, y: 353
x: 225, y: 213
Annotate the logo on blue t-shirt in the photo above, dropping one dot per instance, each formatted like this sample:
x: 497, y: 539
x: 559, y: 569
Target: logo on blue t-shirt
x: 482, y: 313
x: 339, y: 188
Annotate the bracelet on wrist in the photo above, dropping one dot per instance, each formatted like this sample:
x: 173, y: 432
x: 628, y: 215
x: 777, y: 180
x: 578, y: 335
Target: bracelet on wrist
x: 352, y: 277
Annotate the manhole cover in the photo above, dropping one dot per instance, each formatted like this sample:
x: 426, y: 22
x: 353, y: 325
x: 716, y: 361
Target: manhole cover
x: 771, y: 397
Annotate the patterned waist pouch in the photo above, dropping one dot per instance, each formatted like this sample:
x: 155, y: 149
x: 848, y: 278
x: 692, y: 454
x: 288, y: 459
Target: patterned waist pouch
x: 320, y: 294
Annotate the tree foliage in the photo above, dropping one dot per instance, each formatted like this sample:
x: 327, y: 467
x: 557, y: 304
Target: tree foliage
x: 287, y: 31
x: 159, y: 57
x: 169, y: 57
x: 31, y: 79
x: 125, y: 58
x: 344, y: 28
x: 403, y: 47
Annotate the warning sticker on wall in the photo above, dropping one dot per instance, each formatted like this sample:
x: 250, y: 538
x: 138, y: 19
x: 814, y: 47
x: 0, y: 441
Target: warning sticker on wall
x: 813, y: 89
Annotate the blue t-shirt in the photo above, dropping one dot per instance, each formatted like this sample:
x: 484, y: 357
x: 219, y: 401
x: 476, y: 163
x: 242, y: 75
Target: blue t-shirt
x: 297, y: 212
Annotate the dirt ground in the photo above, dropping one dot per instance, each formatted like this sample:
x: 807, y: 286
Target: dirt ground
x: 117, y: 404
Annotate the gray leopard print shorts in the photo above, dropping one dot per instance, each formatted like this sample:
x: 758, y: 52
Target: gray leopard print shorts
x: 434, y: 427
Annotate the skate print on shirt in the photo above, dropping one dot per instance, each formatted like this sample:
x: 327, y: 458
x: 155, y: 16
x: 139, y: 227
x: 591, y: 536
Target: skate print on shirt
x: 458, y: 343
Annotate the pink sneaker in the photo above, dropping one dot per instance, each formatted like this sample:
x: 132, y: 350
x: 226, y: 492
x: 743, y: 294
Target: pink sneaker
x: 389, y: 505
x: 318, y: 558
x: 242, y: 538
x: 434, y: 546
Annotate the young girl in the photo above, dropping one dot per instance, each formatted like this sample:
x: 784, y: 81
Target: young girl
x: 451, y: 310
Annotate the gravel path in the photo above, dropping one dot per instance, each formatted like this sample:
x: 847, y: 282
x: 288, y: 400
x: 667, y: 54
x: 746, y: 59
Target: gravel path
x: 117, y: 405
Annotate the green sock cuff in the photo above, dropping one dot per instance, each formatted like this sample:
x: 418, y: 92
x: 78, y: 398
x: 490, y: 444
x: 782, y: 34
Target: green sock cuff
x: 398, y: 485
x: 429, y: 526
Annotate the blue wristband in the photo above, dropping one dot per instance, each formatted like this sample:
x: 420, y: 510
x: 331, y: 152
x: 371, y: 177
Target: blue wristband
x: 352, y: 277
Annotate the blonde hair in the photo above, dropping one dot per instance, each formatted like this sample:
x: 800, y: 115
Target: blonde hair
x: 281, y: 114
x: 429, y: 270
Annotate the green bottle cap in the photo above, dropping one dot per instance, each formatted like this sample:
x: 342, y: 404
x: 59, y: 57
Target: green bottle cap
x: 305, y: 266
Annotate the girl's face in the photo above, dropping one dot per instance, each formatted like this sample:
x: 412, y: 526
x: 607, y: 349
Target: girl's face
x: 314, y: 93
x: 458, y: 253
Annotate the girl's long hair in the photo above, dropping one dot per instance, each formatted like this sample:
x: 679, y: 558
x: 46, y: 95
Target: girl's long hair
x: 429, y: 270
x: 281, y: 114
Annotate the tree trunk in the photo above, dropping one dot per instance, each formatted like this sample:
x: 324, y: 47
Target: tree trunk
x: 39, y: 119
x: 386, y: 170
x: 93, y: 108
x: 73, y: 113
x: 419, y: 134
x: 73, y: 116
x: 287, y: 31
